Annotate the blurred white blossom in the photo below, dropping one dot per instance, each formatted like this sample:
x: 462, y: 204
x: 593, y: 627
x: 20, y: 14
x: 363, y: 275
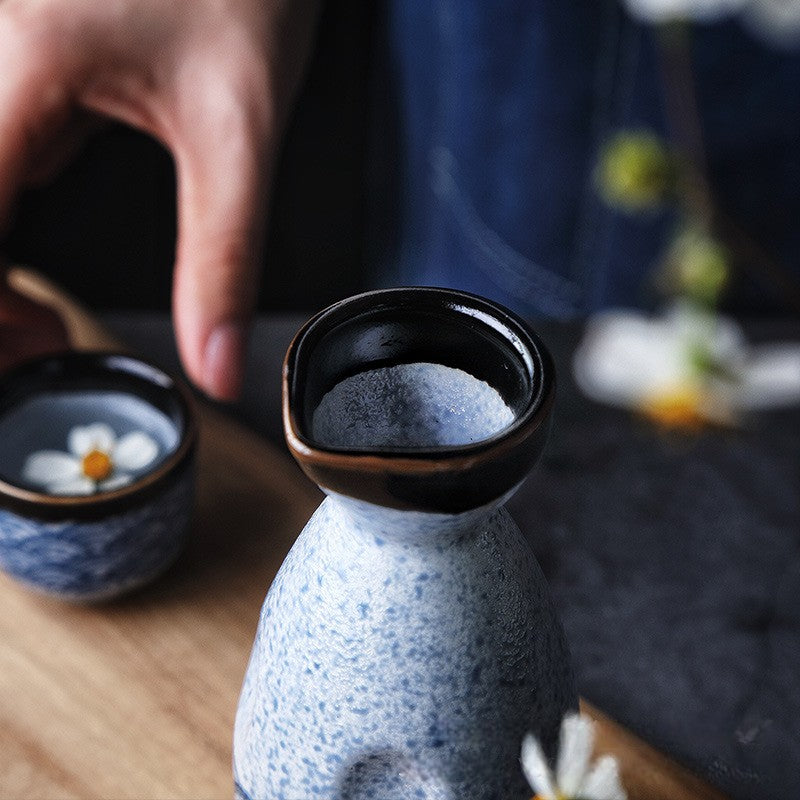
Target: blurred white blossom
x: 655, y: 11
x: 684, y: 367
x: 777, y: 21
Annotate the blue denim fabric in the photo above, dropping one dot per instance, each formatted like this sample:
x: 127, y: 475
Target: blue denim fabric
x: 488, y: 118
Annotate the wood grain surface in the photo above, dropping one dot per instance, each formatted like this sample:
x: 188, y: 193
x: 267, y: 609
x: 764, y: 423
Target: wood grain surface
x: 136, y: 698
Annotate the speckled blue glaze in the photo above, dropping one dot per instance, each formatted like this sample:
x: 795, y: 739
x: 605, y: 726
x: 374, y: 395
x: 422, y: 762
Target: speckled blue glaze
x: 96, y: 559
x: 401, y: 655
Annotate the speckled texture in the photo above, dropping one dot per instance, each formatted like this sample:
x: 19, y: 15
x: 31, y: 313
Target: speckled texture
x: 400, y: 655
x: 409, y: 405
x: 92, y: 560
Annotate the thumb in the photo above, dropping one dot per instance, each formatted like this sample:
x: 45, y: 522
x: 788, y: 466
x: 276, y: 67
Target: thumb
x: 223, y: 179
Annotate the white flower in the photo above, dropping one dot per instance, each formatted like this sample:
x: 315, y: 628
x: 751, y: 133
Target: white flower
x: 574, y: 777
x: 96, y: 461
x: 777, y: 21
x: 655, y: 11
x: 686, y: 366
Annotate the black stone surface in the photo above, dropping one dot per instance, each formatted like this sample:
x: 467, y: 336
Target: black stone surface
x: 675, y: 564
x: 674, y: 560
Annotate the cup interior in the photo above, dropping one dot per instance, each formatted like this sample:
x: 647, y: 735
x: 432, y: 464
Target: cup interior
x: 43, y: 402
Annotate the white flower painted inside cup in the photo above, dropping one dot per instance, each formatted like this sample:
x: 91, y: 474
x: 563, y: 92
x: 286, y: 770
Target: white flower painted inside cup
x: 575, y: 776
x: 97, y: 461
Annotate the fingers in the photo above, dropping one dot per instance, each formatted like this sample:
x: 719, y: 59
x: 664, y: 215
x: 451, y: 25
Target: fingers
x: 198, y: 76
x: 34, y: 102
x: 224, y: 162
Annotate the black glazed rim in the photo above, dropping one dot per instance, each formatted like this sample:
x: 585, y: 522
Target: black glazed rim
x: 100, y: 370
x: 393, y: 326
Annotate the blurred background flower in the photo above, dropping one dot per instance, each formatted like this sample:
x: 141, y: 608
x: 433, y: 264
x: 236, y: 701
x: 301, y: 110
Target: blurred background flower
x: 684, y: 367
x: 696, y: 265
x: 656, y: 11
x: 635, y: 171
x: 777, y: 21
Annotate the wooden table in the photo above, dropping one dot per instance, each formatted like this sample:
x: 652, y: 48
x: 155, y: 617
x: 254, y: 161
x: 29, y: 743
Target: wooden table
x: 136, y: 698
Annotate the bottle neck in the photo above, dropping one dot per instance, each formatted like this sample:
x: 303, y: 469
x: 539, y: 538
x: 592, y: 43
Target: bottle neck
x: 409, y: 527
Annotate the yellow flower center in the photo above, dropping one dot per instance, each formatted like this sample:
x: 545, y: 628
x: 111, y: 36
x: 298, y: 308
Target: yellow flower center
x: 96, y: 465
x: 681, y: 407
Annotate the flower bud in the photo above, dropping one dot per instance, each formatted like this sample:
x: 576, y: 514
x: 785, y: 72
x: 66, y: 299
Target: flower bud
x: 635, y: 171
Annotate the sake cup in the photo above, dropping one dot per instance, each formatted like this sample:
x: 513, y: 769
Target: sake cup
x: 97, y: 455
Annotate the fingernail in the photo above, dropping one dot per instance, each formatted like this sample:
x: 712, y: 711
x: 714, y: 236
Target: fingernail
x: 223, y: 363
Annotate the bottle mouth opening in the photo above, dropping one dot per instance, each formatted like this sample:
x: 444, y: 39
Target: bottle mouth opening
x: 417, y: 398
x: 413, y: 406
x: 412, y: 371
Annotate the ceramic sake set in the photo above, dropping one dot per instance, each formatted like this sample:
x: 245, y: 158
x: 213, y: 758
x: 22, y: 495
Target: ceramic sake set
x: 96, y: 473
x: 408, y: 642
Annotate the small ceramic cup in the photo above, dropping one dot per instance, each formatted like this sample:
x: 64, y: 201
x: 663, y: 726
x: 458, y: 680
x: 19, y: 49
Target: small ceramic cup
x: 97, y: 458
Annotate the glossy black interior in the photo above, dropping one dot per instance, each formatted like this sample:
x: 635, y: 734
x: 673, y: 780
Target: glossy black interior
x: 415, y: 325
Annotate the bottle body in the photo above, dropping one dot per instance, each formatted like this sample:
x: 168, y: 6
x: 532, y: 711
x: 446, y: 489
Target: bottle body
x: 401, y: 654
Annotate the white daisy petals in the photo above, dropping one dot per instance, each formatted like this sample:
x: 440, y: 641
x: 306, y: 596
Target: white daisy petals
x: 536, y: 769
x: 74, y: 474
x: 776, y: 21
x: 135, y: 451
x: 115, y: 482
x: 625, y: 356
x: 78, y: 486
x: 771, y: 377
x: 573, y: 777
x: 82, y: 440
x: 574, y: 752
x: 629, y: 360
x: 50, y: 466
x: 603, y: 783
x: 656, y: 11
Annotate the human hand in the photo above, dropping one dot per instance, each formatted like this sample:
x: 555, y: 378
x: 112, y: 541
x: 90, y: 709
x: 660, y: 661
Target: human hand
x: 214, y: 82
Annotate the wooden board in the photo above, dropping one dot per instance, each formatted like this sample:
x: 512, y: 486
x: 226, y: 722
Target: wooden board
x: 136, y: 698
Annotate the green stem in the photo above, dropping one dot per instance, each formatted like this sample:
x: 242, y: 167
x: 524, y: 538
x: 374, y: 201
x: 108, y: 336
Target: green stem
x: 696, y: 195
x: 684, y: 120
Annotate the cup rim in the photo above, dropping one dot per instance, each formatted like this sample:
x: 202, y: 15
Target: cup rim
x: 37, y: 503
